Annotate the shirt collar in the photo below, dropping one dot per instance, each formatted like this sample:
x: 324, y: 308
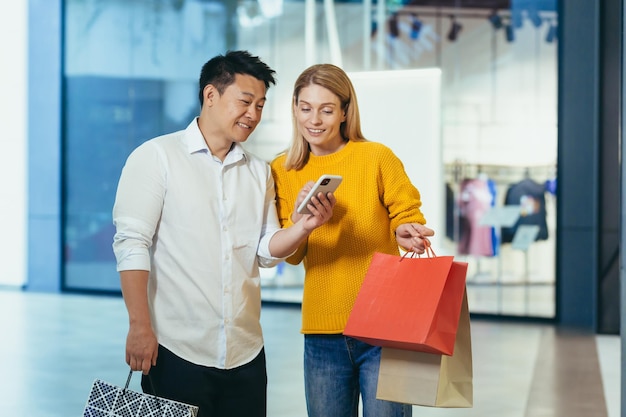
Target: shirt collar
x: 194, y: 139
x: 196, y: 143
x: 237, y: 153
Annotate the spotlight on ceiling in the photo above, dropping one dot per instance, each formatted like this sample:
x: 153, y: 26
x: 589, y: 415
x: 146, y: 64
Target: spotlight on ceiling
x: 455, y: 28
x: 509, y: 33
x: 534, y: 17
x: 517, y: 18
x: 416, y: 27
x: 495, y: 19
x: 394, y: 29
x: 249, y: 14
x: 551, y: 35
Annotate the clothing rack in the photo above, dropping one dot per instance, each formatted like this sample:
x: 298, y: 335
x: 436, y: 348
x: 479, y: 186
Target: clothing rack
x: 457, y: 171
x: 502, y: 177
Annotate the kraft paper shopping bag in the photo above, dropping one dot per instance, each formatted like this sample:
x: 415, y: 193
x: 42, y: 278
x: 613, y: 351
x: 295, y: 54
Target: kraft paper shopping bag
x: 409, y: 303
x: 430, y: 379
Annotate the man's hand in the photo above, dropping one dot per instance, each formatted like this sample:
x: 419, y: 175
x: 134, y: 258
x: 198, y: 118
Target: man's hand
x: 141, y: 342
x: 141, y: 348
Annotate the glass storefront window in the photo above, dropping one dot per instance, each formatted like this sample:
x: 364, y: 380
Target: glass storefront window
x: 498, y: 123
x: 131, y: 70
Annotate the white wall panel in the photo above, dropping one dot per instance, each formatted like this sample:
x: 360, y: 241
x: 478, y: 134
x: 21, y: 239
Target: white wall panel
x: 13, y: 142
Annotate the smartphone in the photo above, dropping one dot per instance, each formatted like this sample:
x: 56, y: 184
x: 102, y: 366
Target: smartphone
x: 325, y: 184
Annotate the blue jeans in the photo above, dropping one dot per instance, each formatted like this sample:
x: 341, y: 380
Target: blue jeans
x: 336, y: 369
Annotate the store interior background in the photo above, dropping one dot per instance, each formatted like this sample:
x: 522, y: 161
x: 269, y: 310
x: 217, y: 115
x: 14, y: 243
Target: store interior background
x: 131, y: 73
x: 37, y: 218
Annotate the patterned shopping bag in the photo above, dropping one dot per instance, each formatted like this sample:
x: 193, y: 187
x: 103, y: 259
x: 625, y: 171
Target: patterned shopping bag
x: 108, y: 400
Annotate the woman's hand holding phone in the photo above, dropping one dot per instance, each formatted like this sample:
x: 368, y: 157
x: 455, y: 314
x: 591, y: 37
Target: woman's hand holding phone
x: 314, y: 198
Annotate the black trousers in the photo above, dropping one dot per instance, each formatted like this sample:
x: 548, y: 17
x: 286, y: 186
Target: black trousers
x: 238, y: 392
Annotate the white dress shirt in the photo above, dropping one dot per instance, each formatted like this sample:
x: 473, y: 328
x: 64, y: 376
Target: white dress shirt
x: 202, y: 228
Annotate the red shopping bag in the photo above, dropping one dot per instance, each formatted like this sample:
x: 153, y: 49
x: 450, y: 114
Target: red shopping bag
x: 409, y: 303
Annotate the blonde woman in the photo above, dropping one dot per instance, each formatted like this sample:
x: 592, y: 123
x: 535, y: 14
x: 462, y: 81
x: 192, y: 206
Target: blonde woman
x: 377, y: 209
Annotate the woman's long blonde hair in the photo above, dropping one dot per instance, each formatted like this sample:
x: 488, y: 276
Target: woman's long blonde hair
x: 336, y: 81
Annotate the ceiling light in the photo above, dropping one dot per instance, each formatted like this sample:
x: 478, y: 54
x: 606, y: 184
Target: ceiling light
x: 495, y: 19
x: 534, y: 17
x: 509, y: 33
x: 517, y: 18
x: 394, y: 30
x: 416, y: 27
x: 551, y: 35
x: 455, y: 28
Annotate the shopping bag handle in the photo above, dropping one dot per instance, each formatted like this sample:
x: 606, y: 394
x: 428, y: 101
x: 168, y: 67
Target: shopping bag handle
x: 130, y: 374
x: 429, y: 252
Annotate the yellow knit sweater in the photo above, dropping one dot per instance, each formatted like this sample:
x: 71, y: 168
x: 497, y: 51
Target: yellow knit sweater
x: 375, y: 197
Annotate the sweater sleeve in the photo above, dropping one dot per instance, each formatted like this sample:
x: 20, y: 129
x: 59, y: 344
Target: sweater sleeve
x: 398, y: 193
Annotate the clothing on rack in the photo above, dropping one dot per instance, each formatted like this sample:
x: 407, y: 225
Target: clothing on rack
x: 550, y: 185
x: 495, y: 235
x: 530, y: 195
x: 475, y: 200
x: 450, y: 209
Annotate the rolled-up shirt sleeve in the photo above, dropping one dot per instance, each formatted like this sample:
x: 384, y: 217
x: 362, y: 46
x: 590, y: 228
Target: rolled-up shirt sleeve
x: 138, y: 206
x: 270, y: 225
x: 131, y: 247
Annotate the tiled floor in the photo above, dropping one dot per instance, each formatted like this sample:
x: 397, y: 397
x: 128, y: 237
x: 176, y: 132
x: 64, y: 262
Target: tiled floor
x: 54, y: 346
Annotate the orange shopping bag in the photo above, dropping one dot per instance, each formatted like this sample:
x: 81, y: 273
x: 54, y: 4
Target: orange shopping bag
x: 409, y: 303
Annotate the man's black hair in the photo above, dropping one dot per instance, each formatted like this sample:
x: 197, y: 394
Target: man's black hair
x: 220, y: 71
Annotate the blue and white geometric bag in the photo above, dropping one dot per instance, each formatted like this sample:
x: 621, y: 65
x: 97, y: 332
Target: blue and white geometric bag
x: 107, y: 400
